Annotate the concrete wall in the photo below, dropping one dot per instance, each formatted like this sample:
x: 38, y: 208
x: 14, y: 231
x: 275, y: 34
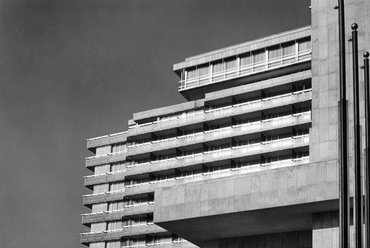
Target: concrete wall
x: 325, y: 233
x: 325, y: 71
x: 265, y: 189
x: 270, y: 201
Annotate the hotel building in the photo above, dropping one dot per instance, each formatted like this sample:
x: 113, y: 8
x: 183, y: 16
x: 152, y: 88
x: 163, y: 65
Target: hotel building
x: 250, y: 160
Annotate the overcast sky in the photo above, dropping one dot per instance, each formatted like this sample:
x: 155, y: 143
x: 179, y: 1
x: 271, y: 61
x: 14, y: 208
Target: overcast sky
x: 72, y: 70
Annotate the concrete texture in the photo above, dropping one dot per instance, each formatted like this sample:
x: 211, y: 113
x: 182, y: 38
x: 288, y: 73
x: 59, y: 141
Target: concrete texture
x: 325, y: 72
x: 271, y: 201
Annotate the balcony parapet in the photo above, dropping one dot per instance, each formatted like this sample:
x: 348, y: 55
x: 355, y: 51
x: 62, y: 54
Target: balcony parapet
x: 264, y: 84
x: 237, y: 109
x: 103, y: 197
x: 227, y: 132
x: 170, y: 110
x: 104, y: 178
x: 128, y: 210
x: 228, y: 172
x: 233, y: 172
x: 219, y: 155
x: 106, y: 158
x: 117, y: 195
x: 120, y: 233
x: 106, y: 140
x: 136, y: 189
x: 177, y: 244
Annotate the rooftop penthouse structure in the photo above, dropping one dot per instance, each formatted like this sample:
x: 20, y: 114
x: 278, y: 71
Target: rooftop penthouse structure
x: 251, y: 159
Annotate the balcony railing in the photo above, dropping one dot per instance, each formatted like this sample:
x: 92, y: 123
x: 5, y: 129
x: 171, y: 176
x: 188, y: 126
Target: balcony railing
x: 245, y: 70
x: 237, y: 109
x: 251, y: 149
x: 163, y: 244
x: 198, y: 158
x: 127, y: 210
x: 220, y: 133
x: 157, y: 244
x: 227, y: 154
x: 118, y: 233
x: 107, y: 139
x: 104, y: 177
x: 106, y: 158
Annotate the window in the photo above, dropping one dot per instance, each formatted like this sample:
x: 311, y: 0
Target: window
x: 115, y: 205
x: 259, y: 56
x: 218, y: 66
x: 101, y: 188
x: 304, y: 44
x: 192, y: 73
x: 117, y: 167
x: 245, y: 59
x: 288, y: 48
x: 274, y: 52
x: 118, y: 147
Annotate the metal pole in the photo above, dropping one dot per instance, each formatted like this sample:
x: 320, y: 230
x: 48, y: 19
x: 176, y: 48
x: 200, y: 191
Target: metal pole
x: 357, y: 140
x: 367, y: 150
x: 343, y: 172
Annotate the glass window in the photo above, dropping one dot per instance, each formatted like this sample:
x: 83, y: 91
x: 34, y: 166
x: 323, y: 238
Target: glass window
x: 304, y: 44
x: 245, y: 59
x: 288, y: 48
x: 230, y: 63
x: 259, y: 56
x: 217, y: 66
x: 203, y: 70
x: 274, y: 52
x: 192, y: 73
x: 118, y: 147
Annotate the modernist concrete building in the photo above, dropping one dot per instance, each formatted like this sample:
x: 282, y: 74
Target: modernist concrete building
x: 251, y: 160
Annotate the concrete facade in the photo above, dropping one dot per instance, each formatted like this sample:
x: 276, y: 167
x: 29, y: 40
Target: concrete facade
x: 251, y: 160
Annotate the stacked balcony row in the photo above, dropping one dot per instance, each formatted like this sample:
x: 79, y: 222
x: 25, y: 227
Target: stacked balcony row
x: 262, y: 125
x: 219, y: 113
x: 298, y: 120
x: 209, y: 119
x: 261, y: 152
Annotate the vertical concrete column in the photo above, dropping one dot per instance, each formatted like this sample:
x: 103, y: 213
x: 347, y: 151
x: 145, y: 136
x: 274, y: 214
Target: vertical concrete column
x: 325, y: 72
x: 325, y: 81
x: 325, y: 231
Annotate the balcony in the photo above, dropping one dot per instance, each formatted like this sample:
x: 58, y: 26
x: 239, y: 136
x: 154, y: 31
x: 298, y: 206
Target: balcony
x: 222, y: 133
x: 119, y: 233
x: 203, y: 158
x: 105, y: 159
x: 104, y: 178
x: 106, y: 140
x: 219, y: 155
x: 237, y: 109
x: 128, y: 210
x: 178, y: 244
x: 130, y: 190
x: 103, y: 197
x: 227, y: 172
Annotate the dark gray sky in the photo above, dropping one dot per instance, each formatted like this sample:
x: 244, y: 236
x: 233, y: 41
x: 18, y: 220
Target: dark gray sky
x: 73, y: 69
